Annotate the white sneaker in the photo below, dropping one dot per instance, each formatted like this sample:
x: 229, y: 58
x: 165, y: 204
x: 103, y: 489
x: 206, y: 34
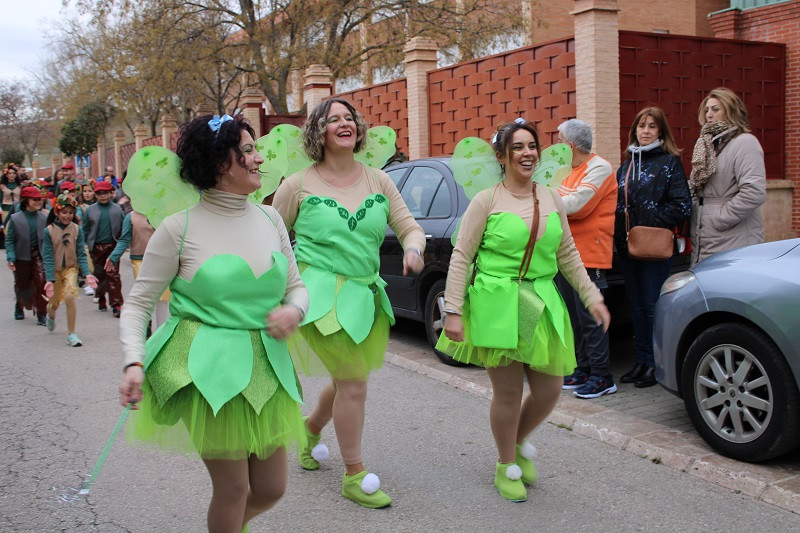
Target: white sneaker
x: 88, y: 291
x: 73, y: 340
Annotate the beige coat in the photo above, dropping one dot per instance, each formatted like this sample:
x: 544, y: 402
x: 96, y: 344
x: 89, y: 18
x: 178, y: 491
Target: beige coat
x: 730, y: 215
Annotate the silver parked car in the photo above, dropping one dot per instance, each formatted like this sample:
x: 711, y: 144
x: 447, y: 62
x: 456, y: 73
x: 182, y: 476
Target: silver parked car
x: 727, y: 341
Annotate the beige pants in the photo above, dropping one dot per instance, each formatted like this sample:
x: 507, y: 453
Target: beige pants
x: 65, y: 289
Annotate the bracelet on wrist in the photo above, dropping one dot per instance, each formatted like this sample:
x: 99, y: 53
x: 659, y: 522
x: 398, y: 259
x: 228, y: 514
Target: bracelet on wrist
x: 417, y: 250
x: 136, y: 363
x: 299, y: 310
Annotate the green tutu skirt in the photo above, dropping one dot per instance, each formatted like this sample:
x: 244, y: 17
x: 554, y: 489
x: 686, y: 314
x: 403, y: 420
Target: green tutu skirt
x: 545, y: 352
x: 185, y: 423
x: 336, y: 354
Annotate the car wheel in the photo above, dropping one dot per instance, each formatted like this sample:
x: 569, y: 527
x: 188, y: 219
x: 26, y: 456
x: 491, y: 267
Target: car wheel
x: 434, y: 320
x: 741, y: 394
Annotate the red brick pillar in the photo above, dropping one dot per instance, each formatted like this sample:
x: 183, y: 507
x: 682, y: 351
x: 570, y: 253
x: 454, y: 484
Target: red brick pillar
x: 421, y: 57
x: 318, y: 86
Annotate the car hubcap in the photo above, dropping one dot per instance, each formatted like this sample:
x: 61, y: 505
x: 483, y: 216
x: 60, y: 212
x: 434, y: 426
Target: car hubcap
x: 733, y: 393
x: 438, y: 315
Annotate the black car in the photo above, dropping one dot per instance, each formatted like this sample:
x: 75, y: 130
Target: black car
x: 437, y: 202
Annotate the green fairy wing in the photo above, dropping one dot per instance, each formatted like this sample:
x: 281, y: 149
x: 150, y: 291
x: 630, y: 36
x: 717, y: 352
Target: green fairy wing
x: 296, y: 155
x: 380, y: 147
x: 154, y: 184
x: 475, y: 168
x: 554, y: 165
x: 273, y: 148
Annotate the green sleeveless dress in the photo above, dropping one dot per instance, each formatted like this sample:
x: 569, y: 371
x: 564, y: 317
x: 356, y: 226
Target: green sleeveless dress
x: 215, y: 383
x: 346, y: 329
x: 510, y: 319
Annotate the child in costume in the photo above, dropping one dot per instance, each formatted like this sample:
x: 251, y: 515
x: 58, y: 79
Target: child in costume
x: 24, y: 235
x: 510, y: 317
x: 339, y: 209
x: 85, y: 198
x: 64, y: 253
x: 216, y: 378
x: 102, y: 224
x: 136, y: 233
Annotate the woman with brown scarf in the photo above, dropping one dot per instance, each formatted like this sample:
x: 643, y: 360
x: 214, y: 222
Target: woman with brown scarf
x: 728, y: 179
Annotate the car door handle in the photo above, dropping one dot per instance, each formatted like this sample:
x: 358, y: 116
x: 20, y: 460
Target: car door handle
x: 428, y: 237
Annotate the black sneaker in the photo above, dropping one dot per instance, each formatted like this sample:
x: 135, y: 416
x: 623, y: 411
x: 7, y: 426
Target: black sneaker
x: 115, y: 310
x: 595, y: 387
x: 41, y: 320
x: 102, y: 307
x: 575, y: 380
x: 19, y: 314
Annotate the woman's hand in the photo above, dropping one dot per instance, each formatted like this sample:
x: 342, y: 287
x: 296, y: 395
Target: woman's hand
x: 454, y: 327
x: 601, y: 315
x: 92, y: 281
x: 48, y: 289
x: 130, y: 389
x: 412, y: 261
x: 282, y: 321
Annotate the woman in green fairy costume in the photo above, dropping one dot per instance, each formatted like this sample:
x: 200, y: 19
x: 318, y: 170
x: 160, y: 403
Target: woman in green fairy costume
x: 508, y: 315
x: 339, y: 209
x: 216, y: 379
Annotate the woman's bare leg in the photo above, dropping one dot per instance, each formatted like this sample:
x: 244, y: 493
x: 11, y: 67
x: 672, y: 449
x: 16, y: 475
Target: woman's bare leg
x: 348, y: 419
x: 544, y: 393
x: 504, y: 412
x: 230, y: 483
x: 268, y: 479
x: 323, y: 412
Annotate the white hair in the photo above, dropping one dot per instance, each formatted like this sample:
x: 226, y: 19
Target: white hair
x: 577, y: 132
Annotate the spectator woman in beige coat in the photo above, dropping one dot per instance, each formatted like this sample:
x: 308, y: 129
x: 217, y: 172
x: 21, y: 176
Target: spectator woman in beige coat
x: 728, y: 179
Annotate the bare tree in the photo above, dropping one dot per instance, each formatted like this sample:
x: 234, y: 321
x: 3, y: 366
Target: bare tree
x: 24, y: 119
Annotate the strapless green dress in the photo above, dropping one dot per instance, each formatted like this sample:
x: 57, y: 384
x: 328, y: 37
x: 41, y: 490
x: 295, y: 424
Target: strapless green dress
x: 510, y: 319
x: 346, y: 329
x: 216, y: 383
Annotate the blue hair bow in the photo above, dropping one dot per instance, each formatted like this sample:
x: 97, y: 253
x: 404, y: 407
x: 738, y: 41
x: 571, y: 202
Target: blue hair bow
x: 217, y: 121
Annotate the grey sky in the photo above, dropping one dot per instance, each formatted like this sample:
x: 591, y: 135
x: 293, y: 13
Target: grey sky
x: 26, y: 23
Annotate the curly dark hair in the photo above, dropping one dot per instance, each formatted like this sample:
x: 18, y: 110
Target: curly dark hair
x: 205, y: 154
x: 4, y: 178
x: 501, y: 142
x: 317, y: 122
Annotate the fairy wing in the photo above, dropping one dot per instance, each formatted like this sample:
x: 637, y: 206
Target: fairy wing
x: 379, y: 148
x: 295, y: 153
x: 154, y: 184
x: 273, y: 148
x: 475, y: 166
x: 554, y: 165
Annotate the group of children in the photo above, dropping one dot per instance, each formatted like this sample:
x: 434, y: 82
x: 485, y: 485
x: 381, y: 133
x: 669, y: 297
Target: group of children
x: 49, y: 250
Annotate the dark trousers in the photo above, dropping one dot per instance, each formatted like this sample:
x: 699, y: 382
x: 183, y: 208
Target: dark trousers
x: 29, y: 280
x: 591, y: 342
x: 106, y: 282
x: 643, y: 280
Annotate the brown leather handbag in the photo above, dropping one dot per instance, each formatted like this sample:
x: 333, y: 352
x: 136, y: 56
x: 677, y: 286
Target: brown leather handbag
x: 647, y: 243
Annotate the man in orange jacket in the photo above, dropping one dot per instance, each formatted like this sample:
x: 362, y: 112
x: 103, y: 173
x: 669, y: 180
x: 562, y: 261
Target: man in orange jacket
x: 589, y: 194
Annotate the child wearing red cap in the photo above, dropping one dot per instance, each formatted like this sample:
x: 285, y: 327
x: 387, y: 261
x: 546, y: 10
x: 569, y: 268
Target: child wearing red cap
x: 102, y: 225
x: 24, y: 233
x: 63, y: 253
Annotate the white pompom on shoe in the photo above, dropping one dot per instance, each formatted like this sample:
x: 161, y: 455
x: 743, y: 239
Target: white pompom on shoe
x: 528, y: 450
x: 513, y: 472
x: 320, y: 452
x: 370, y: 484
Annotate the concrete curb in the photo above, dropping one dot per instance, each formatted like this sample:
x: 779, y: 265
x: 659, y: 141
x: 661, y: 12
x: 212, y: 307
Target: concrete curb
x: 741, y: 482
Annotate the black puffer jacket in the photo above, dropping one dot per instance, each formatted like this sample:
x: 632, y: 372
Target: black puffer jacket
x: 658, y: 193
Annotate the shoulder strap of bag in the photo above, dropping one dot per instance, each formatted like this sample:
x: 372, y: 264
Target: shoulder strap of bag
x: 526, y: 259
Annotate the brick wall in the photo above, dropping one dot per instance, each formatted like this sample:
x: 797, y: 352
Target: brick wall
x: 385, y: 104
x: 474, y: 97
x: 676, y: 72
x: 778, y: 23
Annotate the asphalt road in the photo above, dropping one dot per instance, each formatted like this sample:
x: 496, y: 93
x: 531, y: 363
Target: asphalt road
x: 430, y: 444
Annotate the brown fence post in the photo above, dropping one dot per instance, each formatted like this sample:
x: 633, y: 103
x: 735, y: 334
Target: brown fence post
x: 597, y: 73
x: 317, y: 86
x: 36, y: 165
x: 119, y: 138
x: 101, y: 154
x: 421, y: 55
x: 168, y: 125
x: 252, y: 100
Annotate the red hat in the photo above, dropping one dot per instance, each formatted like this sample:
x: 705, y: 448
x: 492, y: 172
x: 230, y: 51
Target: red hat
x: 68, y: 166
x: 31, y: 192
x: 103, y: 186
x: 68, y: 186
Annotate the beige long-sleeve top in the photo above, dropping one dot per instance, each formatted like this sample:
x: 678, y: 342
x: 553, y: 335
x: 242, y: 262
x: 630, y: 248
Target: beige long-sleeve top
x: 309, y: 183
x: 222, y: 223
x: 498, y: 199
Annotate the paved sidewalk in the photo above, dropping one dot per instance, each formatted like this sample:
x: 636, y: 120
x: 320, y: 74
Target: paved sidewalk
x: 651, y: 423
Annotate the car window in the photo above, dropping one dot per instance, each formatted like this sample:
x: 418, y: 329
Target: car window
x: 419, y: 190
x: 396, y: 174
x: 440, y: 207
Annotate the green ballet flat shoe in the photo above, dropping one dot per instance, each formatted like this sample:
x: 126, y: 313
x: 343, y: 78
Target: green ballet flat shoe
x: 313, y: 452
x: 509, y: 485
x: 364, y: 489
x: 525, y: 452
